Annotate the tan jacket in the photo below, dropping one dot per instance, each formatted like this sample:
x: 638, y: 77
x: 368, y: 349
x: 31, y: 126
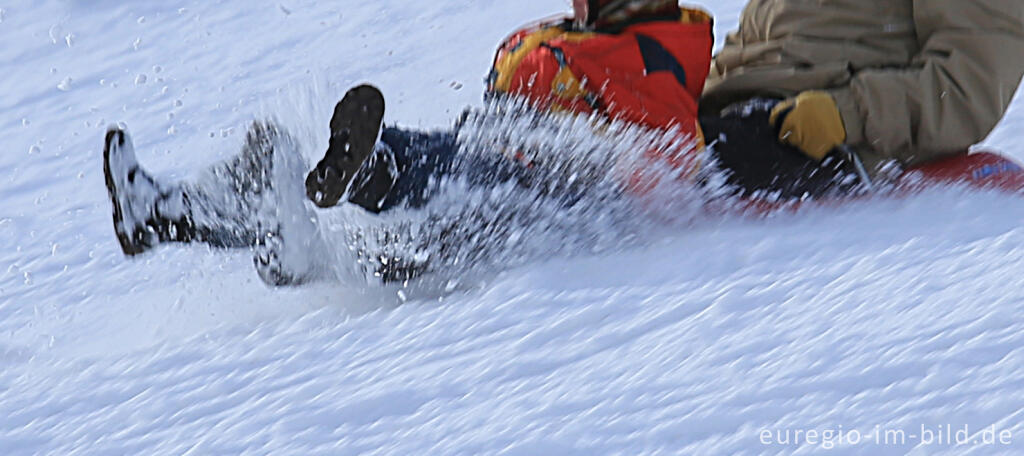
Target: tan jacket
x: 913, y: 79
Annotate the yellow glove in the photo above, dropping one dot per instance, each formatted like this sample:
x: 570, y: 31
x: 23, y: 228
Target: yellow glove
x: 810, y: 122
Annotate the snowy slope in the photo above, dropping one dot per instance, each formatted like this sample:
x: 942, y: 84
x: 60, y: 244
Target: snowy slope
x: 881, y: 315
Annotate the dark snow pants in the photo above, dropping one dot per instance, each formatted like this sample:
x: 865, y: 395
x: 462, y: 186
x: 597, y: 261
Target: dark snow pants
x: 422, y: 160
x: 743, y: 146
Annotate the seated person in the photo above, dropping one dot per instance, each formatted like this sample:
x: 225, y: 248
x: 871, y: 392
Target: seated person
x: 892, y: 83
x: 639, y: 61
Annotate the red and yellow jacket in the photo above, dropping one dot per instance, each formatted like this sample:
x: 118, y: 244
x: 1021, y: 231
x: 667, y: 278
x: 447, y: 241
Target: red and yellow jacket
x: 649, y: 73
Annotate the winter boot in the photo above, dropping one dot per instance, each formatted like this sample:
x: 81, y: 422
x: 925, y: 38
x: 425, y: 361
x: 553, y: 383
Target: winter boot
x: 269, y: 266
x: 266, y: 179
x: 354, y: 128
x: 145, y: 213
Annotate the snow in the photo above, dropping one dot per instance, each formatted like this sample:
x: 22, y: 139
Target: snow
x: 879, y: 315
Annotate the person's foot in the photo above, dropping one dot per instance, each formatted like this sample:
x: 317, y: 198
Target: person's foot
x: 141, y: 206
x: 354, y: 128
x: 269, y: 266
x: 133, y: 193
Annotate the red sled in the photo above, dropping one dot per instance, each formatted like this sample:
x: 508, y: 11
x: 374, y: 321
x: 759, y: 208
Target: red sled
x: 986, y: 170
x: 981, y: 170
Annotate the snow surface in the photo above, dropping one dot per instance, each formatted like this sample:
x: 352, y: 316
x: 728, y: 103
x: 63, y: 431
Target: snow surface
x: 879, y: 315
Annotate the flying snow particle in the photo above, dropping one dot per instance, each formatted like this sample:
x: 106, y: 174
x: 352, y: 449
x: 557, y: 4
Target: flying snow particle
x: 65, y: 85
x: 141, y: 20
x: 54, y: 33
x: 140, y: 79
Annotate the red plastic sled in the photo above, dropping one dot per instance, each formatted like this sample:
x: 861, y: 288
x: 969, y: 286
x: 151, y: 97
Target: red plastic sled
x: 986, y: 170
x: 983, y: 170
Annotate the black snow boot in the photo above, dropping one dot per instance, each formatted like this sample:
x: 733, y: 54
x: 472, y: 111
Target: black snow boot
x: 355, y: 126
x: 145, y: 212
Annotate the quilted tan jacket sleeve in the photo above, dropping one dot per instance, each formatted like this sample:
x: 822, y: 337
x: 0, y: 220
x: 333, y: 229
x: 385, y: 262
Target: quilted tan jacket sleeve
x: 954, y: 92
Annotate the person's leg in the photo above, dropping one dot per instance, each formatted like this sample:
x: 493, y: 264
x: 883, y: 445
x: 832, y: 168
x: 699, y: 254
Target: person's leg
x: 404, y: 170
x: 744, y: 146
x: 231, y: 205
x: 148, y: 212
x: 401, y: 169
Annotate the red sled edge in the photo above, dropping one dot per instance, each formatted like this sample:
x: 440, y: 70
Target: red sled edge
x: 981, y: 170
x: 986, y: 170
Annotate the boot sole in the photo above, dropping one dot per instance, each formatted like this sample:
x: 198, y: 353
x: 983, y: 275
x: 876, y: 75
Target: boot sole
x: 129, y: 246
x: 354, y: 128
